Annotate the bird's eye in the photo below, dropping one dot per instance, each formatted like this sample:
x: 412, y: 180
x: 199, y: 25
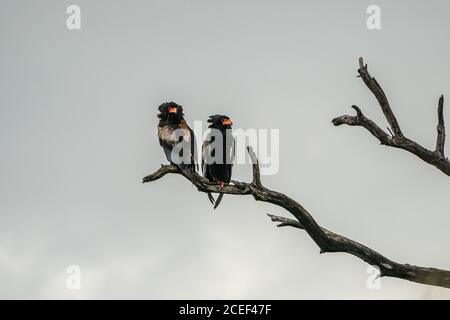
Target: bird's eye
x: 227, y: 122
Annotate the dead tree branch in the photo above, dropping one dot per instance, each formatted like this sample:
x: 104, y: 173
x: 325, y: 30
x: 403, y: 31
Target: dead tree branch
x: 325, y: 239
x: 396, y: 139
x: 440, y: 142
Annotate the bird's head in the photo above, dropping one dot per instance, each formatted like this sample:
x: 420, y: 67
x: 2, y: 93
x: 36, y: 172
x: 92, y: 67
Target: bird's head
x: 219, y: 121
x: 171, y: 112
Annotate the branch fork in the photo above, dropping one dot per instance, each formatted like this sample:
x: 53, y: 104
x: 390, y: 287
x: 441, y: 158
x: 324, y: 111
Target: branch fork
x: 395, y: 138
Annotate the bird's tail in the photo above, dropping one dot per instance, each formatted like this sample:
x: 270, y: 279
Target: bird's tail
x: 219, y: 198
x: 211, y: 198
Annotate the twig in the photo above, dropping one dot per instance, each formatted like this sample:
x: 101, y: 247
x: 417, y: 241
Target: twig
x: 440, y: 141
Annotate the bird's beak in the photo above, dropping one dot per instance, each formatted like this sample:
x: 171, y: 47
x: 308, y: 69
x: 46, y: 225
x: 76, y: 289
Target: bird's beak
x: 227, y: 122
x: 172, y: 110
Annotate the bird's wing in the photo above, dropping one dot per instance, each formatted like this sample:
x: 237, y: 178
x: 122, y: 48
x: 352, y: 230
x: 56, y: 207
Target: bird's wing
x: 232, y: 156
x: 194, y: 156
x: 166, y: 140
x: 206, y: 152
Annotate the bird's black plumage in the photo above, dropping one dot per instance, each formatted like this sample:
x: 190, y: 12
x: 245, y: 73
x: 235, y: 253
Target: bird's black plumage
x: 218, y: 151
x: 173, y: 132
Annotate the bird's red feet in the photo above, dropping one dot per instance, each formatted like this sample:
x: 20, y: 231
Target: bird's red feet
x: 222, y: 184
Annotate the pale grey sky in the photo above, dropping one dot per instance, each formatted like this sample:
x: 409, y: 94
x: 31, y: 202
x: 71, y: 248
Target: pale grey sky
x: 77, y: 134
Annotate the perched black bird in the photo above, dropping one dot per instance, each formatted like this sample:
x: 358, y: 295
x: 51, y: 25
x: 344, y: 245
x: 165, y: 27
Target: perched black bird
x: 218, y: 151
x: 173, y: 132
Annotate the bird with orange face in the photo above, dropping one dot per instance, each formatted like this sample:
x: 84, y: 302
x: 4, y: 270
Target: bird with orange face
x: 176, y: 137
x: 218, y: 152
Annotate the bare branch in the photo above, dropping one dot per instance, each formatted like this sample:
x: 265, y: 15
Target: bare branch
x: 285, y: 222
x: 201, y: 183
x: 326, y: 240
x: 376, y: 89
x: 255, y: 166
x: 397, y: 140
x: 362, y: 121
x: 161, y: 172
x: 440, y: 142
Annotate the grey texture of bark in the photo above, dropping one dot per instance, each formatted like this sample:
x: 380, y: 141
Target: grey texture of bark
x: 326, y: 240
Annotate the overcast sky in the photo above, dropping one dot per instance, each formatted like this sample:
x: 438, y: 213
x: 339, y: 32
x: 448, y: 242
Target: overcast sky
x: 77, y: 134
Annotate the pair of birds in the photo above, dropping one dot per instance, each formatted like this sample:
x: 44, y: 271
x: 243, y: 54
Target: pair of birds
x: 218, y: 148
